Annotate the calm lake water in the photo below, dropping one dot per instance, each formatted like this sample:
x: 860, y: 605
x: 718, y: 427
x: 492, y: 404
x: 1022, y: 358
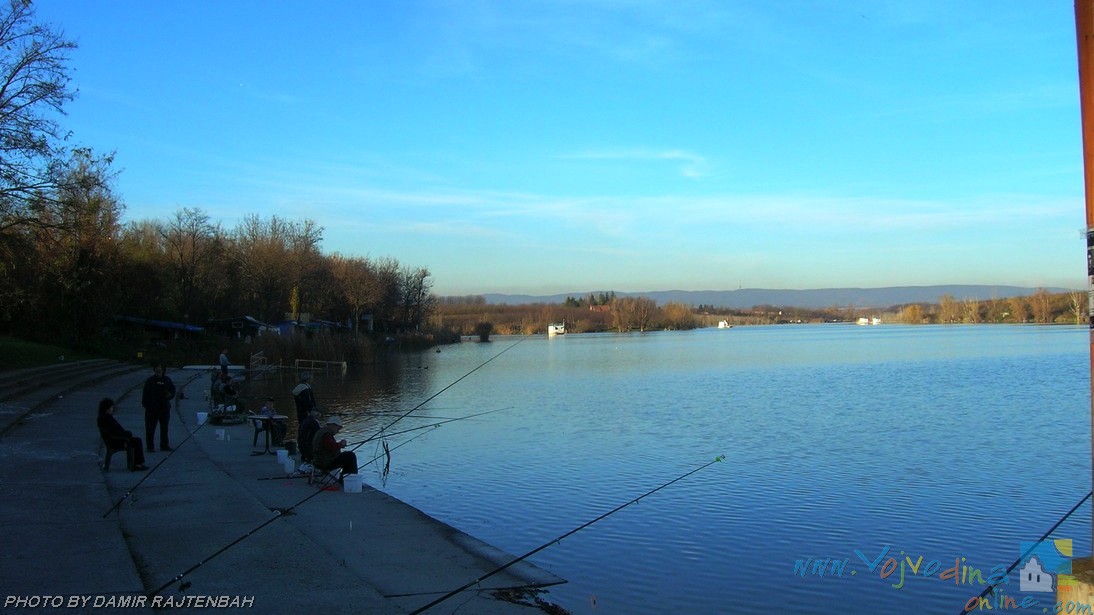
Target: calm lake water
x: 946, y: 442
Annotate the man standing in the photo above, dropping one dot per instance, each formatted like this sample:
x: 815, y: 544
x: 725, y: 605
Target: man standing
x: 156, y: 399
x: 304, y: 398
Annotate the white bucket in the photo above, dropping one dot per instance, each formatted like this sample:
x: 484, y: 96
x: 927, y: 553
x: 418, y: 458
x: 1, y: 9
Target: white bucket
x: 220, y: 434
x: 289, y: 466
x: 282, y: 455
x: 351, y: 483
x: 202, y: 417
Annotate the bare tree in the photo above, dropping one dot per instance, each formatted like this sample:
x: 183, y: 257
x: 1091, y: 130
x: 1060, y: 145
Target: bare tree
x: 971, y: 309
x: 195, y: 249
x: 1077, y: 303
x: 996, y: 310
x: 1019, y: 309
x: 357, y: 283
x: 79, y: 243
x: 33, y: 91
x: 911, y: 314
x: 266, y: 278
x: 949, y: 310
x: 1041, y: 306
x: 416, y: 302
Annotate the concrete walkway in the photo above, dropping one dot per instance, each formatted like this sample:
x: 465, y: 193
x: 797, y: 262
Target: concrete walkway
x: 207, y: 521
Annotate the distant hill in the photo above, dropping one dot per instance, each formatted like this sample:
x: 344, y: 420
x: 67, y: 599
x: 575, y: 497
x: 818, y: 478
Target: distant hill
x: 811, y: 298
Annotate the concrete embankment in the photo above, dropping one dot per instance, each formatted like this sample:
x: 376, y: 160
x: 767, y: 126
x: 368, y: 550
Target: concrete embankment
x: 209, y: 521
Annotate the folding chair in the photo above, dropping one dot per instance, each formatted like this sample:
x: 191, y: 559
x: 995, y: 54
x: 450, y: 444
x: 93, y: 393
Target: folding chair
x: 110, y: 450
x: 317, y: 475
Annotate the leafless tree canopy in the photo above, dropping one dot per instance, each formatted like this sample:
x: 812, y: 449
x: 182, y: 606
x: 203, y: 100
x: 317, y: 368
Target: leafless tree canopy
x: 34, y: 86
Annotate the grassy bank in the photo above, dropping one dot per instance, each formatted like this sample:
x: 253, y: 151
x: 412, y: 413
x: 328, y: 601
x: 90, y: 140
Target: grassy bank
x: 16, y: 353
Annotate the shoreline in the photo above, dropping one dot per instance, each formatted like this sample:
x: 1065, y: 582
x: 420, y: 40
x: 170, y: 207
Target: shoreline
x: 200, y: 523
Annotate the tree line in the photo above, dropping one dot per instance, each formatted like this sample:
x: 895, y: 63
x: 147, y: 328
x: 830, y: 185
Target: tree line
x: 1041, y: 307
x: 75, y: 274
x: 69, y: 264
x: 464, y: 316
x: 607, y: 312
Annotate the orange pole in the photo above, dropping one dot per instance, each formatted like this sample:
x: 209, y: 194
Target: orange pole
x: 1084, y: 37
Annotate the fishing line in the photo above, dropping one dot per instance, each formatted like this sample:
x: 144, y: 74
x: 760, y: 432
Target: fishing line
x: 285, y: 512
x: 329, y: 479
x: 991, y: 588
x: 162, y: 461
x: 560, y: 538
x: 437, y: 424
x: 438, y: 393
x: 397, y: 433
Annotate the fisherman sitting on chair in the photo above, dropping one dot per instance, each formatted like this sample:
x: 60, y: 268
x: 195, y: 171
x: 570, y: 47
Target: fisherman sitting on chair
x: 327, y: 452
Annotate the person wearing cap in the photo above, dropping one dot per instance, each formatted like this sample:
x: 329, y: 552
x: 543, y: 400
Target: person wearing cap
x: 304, y: 398
x: 327, y: 452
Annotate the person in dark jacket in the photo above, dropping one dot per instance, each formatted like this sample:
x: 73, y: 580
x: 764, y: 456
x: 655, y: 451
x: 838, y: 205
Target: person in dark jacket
x: 156, y: 399
x: 307, y: 432
x: 115, y: 436
x: 304, y: 397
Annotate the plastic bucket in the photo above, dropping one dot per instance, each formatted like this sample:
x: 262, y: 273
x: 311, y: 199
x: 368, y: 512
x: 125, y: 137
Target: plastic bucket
x: 220, y: 434
x: 282, y: 455
x: 351, y: 483
x: 202, y: 417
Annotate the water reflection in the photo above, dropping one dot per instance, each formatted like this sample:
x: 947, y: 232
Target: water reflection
x: 942, y: 441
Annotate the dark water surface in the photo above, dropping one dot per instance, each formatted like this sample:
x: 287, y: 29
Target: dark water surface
x: 946, y: 442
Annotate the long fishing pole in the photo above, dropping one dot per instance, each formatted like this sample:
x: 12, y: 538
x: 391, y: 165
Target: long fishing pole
x: 562, y: 537
x: 282, y: 513
x: 397, y: 433
x: 991, y: 588
x: 437, y: 424
x: 438, y: 393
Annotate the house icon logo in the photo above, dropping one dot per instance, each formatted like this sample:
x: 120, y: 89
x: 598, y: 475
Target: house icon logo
x: 1046, y: 563
x: 1034, y: 577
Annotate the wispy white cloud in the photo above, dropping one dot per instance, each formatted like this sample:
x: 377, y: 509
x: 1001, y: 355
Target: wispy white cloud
x: 694, y: 166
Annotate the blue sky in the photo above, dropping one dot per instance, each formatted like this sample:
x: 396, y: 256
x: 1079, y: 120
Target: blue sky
x: 542, y: 147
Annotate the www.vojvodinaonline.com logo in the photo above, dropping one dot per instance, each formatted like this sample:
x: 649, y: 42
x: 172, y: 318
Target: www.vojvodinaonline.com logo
x: 1043, y: 568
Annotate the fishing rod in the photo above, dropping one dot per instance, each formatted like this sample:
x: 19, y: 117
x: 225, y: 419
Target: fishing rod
x: 281, y: 513
x: 396, y: 433
x: 438, y: 393
x: 991, y: 588
x: 387, y: 454
x: 162, y: 461
x: 437, y: 424
x: 563, y: 536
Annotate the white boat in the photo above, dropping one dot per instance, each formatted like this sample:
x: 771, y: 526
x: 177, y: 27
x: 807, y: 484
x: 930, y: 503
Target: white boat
x: 869, y: 321
x: 556, y: 328
x: 724, y: 324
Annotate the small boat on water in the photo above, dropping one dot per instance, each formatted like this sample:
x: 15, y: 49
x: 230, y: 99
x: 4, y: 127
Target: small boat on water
x: 724, y: 324
x: 556, y: 328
